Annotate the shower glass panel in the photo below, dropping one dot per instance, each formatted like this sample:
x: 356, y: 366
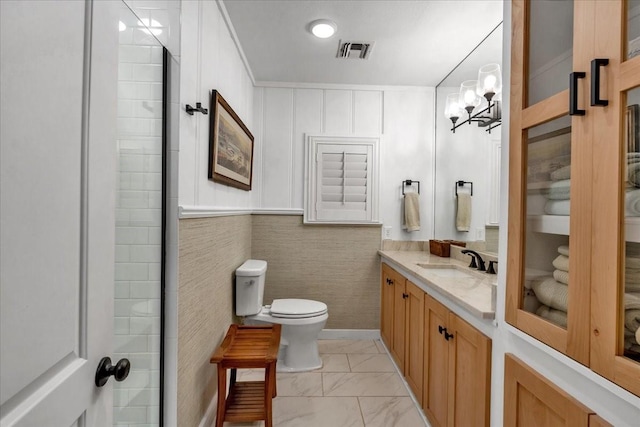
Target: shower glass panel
x: 139, y: 222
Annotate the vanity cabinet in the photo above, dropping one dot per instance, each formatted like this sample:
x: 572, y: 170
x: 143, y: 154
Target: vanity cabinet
x: 457, y: 369
x: 532, y: 400
x: 392, y: 328
x: 445, y: 360
x: 414, y: 355
x: 573, y: 271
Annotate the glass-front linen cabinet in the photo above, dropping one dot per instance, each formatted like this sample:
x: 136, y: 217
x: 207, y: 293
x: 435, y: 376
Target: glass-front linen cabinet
x: 573, y: 276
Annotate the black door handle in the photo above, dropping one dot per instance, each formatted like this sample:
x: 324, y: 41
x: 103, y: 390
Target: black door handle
x: 595, y: 82
x: 573, y: 93
x: 105, y: 369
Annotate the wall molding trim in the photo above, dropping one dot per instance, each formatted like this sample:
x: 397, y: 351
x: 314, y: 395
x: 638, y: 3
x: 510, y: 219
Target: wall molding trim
x: 209, y: 418
x: 185, y: 212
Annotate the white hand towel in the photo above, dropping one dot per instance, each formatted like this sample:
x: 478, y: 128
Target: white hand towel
x: 552, y: 293
x: 561, y: 262
x: 412, y: 211
x: 561, y: 276
x: 463, y: 213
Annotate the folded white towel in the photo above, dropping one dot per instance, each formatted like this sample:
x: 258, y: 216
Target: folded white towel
x: 561, y: 262
x: 412, y: 211
x: 632, y: 311
x: 463, y: 212
x: 563, y: 250
x: 557, y: 207
x: 552, y: 293
x: 638, y: 335
x: 632, y: 202
x: 561, y: 173
x: 559, y: 190
x: 561, y: 276
x: 554, y: 316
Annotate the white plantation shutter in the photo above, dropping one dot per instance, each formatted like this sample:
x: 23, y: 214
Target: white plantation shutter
x: 342, y: 180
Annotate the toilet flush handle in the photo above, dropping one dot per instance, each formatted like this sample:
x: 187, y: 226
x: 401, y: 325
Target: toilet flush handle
x: 252, y: 282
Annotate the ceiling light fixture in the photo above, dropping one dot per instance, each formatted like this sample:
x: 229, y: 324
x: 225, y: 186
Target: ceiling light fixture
x: 483, y: 93
x: 323, y: 28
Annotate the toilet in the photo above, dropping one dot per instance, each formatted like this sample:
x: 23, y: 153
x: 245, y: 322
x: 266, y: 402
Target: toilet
x: 301, y: 319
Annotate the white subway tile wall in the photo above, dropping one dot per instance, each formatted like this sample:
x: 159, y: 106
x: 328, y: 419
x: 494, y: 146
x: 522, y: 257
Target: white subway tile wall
x: 138, y: 225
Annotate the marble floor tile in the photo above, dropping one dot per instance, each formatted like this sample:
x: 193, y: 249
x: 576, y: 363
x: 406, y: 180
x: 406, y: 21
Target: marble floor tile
x: 363, y: 384
x: 390, y: 412
x: 316, y: 412
x: 370, y: 362
x: 347, y: 346
x: 334, y: 363
x: 380, y: 346
x: 299, y: 384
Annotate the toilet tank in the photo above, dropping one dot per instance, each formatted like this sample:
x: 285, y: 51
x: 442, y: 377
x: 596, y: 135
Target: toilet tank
x: 250, y: 287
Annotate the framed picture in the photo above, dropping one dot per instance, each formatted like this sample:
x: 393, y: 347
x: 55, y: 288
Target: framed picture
x: 230, y: 146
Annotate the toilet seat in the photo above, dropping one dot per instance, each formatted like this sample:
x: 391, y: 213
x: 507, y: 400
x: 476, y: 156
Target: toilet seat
x: 291, y: 308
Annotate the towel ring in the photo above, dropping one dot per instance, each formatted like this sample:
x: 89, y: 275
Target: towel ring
x: 409, y: 182
x: 461, y: 184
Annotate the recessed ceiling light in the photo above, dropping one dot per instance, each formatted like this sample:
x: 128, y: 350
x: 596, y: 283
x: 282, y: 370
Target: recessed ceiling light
x: 323, y: 28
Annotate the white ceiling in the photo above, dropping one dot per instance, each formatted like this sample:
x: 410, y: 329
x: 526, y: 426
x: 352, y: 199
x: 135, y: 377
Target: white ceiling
x: 417, y: 43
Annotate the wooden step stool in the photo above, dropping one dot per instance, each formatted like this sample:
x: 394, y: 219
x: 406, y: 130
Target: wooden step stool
x: 247, y: 347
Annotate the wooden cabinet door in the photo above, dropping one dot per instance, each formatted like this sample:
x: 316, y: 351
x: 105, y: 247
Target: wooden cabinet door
x: 551, y: 148
x: 436, y: 363
x: 386, y: 305
x: 469, y: 375
x: 414, y: 360
x: 615, y: 318
x: 399, y: 303
x: 533, y: 401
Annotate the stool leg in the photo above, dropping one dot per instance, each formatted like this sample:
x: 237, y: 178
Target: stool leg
x: 274, y: 383
x: 222, y: 394
x: 268, y: 392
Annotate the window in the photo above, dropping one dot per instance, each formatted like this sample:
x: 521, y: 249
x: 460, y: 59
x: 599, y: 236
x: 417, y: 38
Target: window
x: 341, y: 180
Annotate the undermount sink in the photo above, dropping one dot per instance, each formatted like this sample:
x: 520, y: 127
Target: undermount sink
x: 448, y: 271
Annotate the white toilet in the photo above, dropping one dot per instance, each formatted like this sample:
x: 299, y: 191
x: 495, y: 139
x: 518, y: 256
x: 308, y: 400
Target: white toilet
x: 301, y: 319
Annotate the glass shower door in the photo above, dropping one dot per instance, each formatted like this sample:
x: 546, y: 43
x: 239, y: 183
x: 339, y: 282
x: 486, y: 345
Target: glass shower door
x: 139, y: 220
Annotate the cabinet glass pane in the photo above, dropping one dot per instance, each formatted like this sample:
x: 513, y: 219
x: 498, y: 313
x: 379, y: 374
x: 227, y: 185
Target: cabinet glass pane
x: 633, y: 28
x: 550, y: 42
x: 547, y: 233
x: 632, y: 230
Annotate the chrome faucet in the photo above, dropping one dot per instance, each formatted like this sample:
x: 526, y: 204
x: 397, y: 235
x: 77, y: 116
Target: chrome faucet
x: 475, y: 256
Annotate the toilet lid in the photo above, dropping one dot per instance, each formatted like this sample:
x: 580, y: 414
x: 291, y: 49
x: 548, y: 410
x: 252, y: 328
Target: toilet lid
x: 297, y: 308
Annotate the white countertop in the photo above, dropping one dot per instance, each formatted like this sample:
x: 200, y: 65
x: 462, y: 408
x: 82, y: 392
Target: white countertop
x: 475, y: 293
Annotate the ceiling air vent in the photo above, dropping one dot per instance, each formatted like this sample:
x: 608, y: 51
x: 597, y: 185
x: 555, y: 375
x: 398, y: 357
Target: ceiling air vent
x: 355, y: 50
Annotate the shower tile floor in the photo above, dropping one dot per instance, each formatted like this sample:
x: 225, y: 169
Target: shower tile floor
x: 357, y: 385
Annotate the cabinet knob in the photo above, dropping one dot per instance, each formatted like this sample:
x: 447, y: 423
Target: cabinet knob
x: 441, y: 329
x: 389, y: 282
x: 447, y: 336
x: 405, y: 296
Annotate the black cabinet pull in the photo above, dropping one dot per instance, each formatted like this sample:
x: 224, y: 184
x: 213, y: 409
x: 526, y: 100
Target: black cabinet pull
x: 573, y: 93
x: 405, y: 295
x: 447, y: 336
x: 595, y: 82
x: 441, y: 329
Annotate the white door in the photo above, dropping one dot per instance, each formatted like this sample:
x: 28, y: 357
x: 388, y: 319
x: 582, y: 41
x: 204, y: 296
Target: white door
x: 57, y: 184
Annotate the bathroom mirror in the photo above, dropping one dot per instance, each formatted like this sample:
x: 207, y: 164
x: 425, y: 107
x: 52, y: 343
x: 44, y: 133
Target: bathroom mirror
x: 470, y: 155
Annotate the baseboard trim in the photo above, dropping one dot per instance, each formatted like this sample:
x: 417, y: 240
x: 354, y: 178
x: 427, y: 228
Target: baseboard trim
x: 209, y: 418
x: 349, y: 334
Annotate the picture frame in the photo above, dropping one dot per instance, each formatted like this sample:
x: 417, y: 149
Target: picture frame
x: 230, y: 146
